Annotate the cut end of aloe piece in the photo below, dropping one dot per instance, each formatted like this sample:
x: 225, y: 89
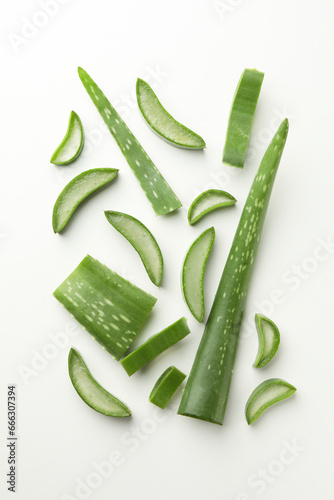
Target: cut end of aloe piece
x: 241, y: 117
x: 76, y: 191
x: 142, y: 241
x: 193, y: 273
x: 269, y: 340
x: 71, y: 146
x: 265, y: 395
x: 90, y: 390
x: 110, y: 308
x: 207, y: 202
x: 162, y: 122
x: 166, y: 386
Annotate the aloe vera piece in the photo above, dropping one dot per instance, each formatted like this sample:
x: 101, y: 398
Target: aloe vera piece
x: 166, y: 386
x: 90, y: 390
x: 110, y: 308
x: 207, y: 389
x: 158, y: 192
x: 265, y: 395
x: 162, y: 122
x: 241, y: 117
x: 155, y: 345
x: 142, y: 241
x: 71, y: 146
x: 76, y: 191
x: 207, y: 202
x: 193, y: 273
x: 269, y: 339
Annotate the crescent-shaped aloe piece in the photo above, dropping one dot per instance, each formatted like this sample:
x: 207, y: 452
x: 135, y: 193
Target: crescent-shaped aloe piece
x: 193, y: 273
x: 110, y: 308
x: 155, y: 345
x: 71, y: 146
x: 142, y: 241
x: 76, y: 191
x: 158, y: 192
x: 162, y: 122
x: 241, y: 117
x: 207, y: 202
x: 90, y: 390
x: 269, y: 339
x: 266, y: 394
x: 166, y: 386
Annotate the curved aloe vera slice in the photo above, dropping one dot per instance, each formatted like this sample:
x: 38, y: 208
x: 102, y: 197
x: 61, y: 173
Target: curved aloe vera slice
x: 193, y: 273
x: 269, y: 339
x: 142, y: 241
x: 158, y: 192
x: 166, y: 385
x: 76, y: 191
x: 162, y: 122
x: 241, y: 117
x: 207, y: 202
x: 266, y: 394
x: 155, y: 345
x: 90, y: 390
x: 207, y: 389
x: 71, y: 146
x: 110, y: 308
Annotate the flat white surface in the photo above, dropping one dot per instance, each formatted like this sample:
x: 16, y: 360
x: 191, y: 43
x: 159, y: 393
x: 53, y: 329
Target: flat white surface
x: 193, y: 52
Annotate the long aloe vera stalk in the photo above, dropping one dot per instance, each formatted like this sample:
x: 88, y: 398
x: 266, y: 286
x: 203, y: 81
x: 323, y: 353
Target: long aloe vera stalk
x: 158, y: 192
x: 206, y: 393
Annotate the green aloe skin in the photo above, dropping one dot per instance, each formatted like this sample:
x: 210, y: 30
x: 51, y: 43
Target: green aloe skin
x: 166, y: 386
x: 207, y: 202
x: 71, y: 146
x: 206, y: 394
x: 269, y: 340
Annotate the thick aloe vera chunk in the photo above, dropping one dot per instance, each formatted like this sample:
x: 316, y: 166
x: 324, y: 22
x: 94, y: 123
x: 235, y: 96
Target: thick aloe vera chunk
x: 110, y: 308
x: 165, y: 387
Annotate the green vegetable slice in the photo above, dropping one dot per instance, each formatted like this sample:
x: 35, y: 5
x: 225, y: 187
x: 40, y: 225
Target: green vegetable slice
x: 76, y: 191
x: 110, y: 308
x: 90, y: 390
x: 266, y: 394
x: 162, y: 122
x: 142, y: 241
x: 206, y: 393
x: 166, y: 385
x: 241, y: 117
x: 193, y: 273
x: 71, y: 146
x: 207, y: 202
x: 269, y: 339
x: 158, y: 192
x: 155, y: 345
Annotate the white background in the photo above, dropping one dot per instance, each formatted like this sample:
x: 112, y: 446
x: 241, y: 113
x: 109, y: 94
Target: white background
x: 193, y: 53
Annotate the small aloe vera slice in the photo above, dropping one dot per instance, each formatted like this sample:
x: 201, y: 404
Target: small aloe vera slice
x: 162, y: 122
x: 166, y: 385
x: 71, y: 146
x: 155, y: 345
x: 142, y: 241
x: 76, y: 191
x: 241, y: 117
x: 266, y: 394
x: 207, y: 202
x: 110, y: 308
x: 90, y: 390
x: 158, y: 192
x: 193, y: 273
x: 269, y: 339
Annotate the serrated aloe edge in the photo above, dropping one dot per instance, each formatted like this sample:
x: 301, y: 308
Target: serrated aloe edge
x: 71, y: 146
x: 90, y: 390
x: 162, y: 123
x: 166, y: 386
x: 206, y: 392
x: 193, y: 273
x: 142, y: 241
x: 269, y: 339
x: 271, y: 391
x: 158, y: 192
x: 207, y: 202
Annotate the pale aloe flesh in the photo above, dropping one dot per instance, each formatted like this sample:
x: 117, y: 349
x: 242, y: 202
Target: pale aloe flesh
x: 71, y: 146
x: 207, y: 202
x: 269, y: 339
